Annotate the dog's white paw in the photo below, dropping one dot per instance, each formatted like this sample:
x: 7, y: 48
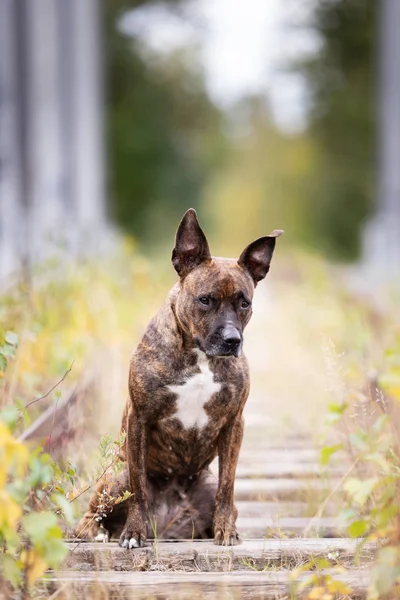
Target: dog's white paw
x: 131, y: 543
x: 102, y: 536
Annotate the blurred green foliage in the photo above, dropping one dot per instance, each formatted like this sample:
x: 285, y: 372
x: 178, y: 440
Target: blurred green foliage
x: 66, y: 316
x: 342, y: 82
x: 31, y: 504
x: 163, y: 135
x: 263, y: 182
x: 168, y: 149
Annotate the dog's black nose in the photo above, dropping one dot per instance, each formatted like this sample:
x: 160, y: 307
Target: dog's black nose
x: 232, y: 337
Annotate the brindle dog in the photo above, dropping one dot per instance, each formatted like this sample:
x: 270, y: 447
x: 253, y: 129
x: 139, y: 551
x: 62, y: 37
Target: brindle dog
x: 188, y: 384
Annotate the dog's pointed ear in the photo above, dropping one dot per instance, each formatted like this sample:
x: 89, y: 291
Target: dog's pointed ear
x: 256, y: 258
x: 191, y: 246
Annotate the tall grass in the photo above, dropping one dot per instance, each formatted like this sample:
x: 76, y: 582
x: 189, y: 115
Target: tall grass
x: 324, y: 356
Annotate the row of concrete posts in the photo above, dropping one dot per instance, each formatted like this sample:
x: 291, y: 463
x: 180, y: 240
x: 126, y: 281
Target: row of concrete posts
x: 51, y: 130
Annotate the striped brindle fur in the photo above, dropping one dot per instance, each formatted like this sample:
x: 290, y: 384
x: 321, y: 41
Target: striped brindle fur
x: 188, y: 384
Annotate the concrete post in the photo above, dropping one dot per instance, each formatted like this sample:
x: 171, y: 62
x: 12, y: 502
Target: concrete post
x: 382, y: 234
x: 11, y: 240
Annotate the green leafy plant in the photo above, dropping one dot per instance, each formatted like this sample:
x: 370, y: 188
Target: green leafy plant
x: 30, y: 534
x: 32, y: 501
x: 8, y: 346
x: 366, y: 420
x: 318, y: 584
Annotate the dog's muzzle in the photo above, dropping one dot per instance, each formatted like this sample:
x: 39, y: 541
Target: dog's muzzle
x: 225, y: 342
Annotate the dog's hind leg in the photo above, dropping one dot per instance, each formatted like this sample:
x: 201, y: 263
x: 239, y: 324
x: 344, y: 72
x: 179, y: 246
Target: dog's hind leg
x: 185, y: 509
x: 104, y: 518
x: 201, y: 496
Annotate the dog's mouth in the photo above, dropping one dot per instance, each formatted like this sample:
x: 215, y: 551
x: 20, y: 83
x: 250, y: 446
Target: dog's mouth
x: 225, y: 353
x: 219, y: 350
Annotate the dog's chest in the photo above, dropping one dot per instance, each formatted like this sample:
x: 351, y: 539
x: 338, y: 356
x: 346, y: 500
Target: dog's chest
x: 193, y: 395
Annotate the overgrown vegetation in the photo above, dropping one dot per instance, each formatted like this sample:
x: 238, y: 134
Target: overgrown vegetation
x: 32, y: 500
x: 170, y: 146
x: 366, y: 420
x: 164, y: 133
x: 341, y: 78
x: 70, y: 317
x: 93, y: 315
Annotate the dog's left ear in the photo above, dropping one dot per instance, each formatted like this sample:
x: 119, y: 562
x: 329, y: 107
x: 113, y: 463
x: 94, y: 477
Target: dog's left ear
x: 191, y: 246
x: 256, y: 258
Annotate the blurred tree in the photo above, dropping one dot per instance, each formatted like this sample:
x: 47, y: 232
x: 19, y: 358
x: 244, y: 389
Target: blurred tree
x: 341, y: 78
x: 162, y: 129
x: 263, y: 183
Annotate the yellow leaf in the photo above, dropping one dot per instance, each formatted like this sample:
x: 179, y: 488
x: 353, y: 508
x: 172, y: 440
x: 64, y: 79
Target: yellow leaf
x: 14, y: 453
x: 17, y: 454
x: 316, y: 593
x: 10, y: 511
x: 339, y: 587
x: 34, y: 565
x: 4, y: 433
x: 3, y: 476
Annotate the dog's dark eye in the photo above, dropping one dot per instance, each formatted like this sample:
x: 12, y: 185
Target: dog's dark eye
x: 204, y: 300
x: 245, y: 304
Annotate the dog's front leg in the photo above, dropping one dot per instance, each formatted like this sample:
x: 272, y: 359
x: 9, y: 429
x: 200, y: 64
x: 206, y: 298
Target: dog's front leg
x: 135, y: 530
x: 229, y: 442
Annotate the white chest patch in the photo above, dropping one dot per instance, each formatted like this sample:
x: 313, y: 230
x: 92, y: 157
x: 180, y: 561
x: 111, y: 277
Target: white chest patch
x: 194, y: 394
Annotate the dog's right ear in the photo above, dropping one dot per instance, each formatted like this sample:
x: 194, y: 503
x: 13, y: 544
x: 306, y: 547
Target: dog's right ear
x: 191, y: 247
x: 256, y: 258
